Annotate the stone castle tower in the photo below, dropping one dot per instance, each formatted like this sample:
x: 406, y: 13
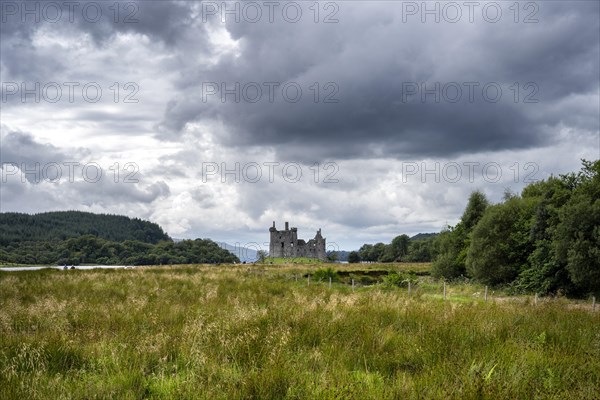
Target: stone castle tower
x: 286, y: 244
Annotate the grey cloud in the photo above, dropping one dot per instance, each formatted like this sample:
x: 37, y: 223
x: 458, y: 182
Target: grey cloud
x: 203, y: 197
x: 107, y: 192
x: 13, y: 193
x: 167, y: 23
x: 370, y: 62
x: 369, y: 55
x: 60, y: 170
x: 23, y: 151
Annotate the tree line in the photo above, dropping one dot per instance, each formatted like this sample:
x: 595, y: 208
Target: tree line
x: 402, y: 249
x: 61, y: 225
x: 75, y: 238
x: 89, y: 249
x: 545, y: 240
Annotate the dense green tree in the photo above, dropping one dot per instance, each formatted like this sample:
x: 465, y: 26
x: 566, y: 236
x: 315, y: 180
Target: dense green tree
x: 377, y: 251
x: 396, y: 250
x: 544, y: 272
x: 420, y: 250
x: 365, y: 252
x: 475, y: 209
x: 452, y: 245
x: 500, y: 243
x: 353, y: 257
x: 448, y: 247
x: 578, y: 233
x: 564, y: 233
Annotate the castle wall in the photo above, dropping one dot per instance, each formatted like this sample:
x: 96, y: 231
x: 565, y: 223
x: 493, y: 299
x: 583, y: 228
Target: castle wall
x: 285, y: 244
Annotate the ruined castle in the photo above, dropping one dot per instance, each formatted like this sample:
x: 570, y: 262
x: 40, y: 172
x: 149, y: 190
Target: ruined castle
x: 286, y: 244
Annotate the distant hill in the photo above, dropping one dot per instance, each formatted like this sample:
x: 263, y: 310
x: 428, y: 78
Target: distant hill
x: 62, y: 225
x: 243, y: 253
x: 342, y: 255
x: 422, y: 236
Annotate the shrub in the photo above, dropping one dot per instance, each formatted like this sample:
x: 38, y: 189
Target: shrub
x: 323, y: 274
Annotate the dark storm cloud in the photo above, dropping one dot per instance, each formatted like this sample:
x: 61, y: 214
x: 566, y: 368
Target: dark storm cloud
x: 371, y: 55
x: 164, y: 21
x: 364, y: 62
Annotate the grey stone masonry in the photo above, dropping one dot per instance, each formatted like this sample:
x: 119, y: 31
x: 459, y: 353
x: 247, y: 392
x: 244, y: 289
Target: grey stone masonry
x: 286, y: 244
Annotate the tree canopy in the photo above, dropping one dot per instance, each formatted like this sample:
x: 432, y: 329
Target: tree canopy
x: 76, y: 238
x: 546, y: 240
x: 61, y: 225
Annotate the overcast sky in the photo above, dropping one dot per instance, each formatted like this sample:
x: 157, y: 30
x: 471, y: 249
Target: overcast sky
x: 368, y: 119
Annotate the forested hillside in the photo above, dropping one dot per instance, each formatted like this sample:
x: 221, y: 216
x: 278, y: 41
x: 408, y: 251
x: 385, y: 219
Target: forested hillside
x: 89, y: 249
x: 74, y: 238
x: 60, y: 225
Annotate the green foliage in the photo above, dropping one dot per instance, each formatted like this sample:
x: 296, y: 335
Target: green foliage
x: 366, y: 253
x: 354, y: 257
x: 376, y: 252
x: 500, y: 242
x: 475, y: 209
x: 323, y: 274
x: 578, y: 233
x: 420, y: 250
x: 61, y: 225
x: 545, y: 273
x: 399, y: 279
x: 396, y: 250
x: 401, y: 249
x: 449, y: 246
x: 545, y: 241
x: 89, y: 249
x: 452, y: 245
x: 332, y: 256
x: 74, y: 238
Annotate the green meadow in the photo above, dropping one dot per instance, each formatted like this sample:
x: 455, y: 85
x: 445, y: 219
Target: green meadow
x: 270, y: 332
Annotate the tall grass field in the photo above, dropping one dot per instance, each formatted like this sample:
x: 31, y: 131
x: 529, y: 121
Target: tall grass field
x: 267, y: 332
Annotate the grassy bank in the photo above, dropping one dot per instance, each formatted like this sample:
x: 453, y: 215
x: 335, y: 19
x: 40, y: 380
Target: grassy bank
x: 257, y: 332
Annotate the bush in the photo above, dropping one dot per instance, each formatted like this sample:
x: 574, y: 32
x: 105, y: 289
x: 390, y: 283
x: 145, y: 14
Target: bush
x: 446, y: 266
x: 398, y: 279
x: 323, y: 274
